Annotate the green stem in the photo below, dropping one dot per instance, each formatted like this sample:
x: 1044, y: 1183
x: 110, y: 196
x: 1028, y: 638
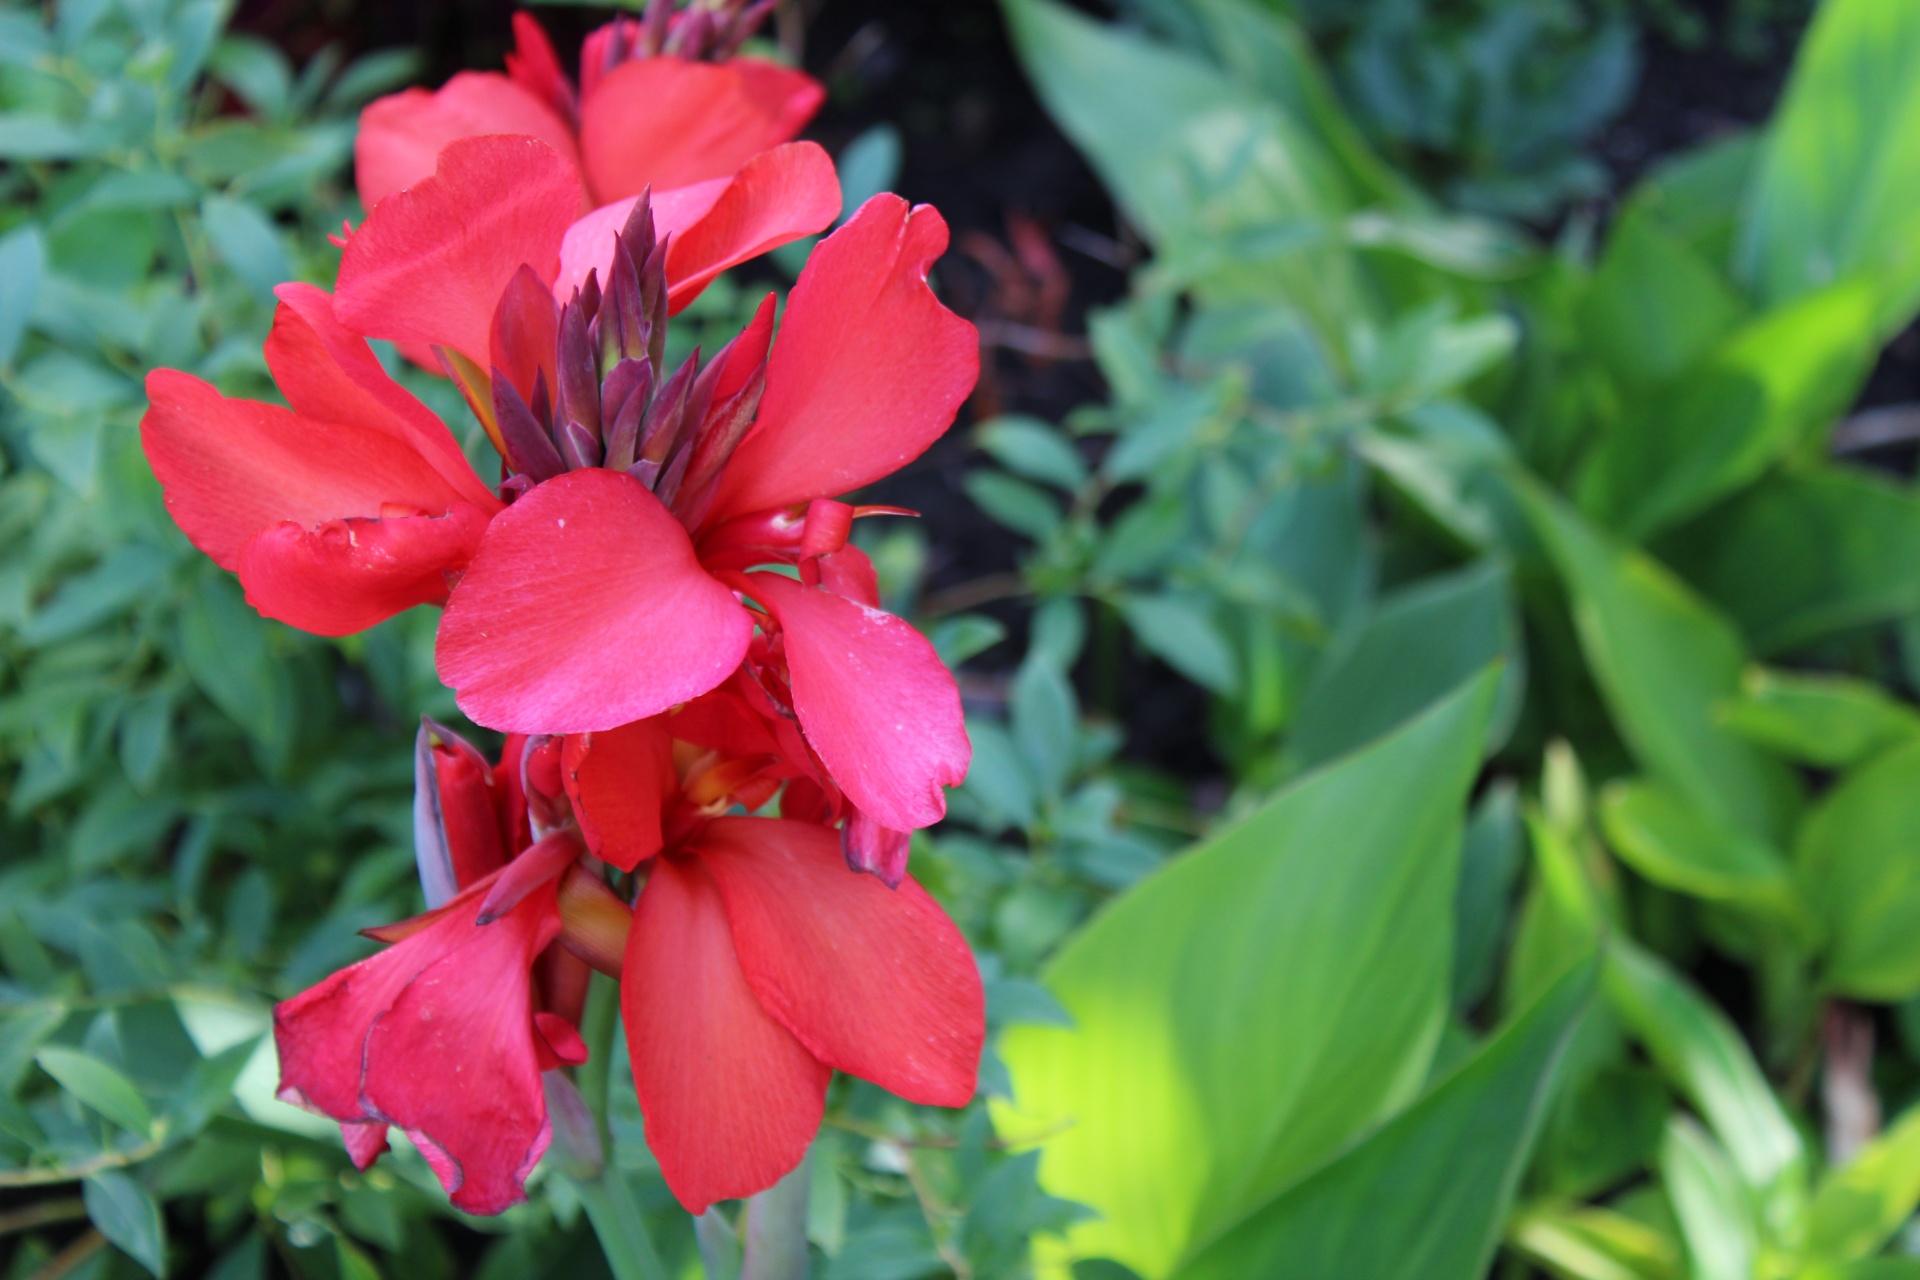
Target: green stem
x: 606, y: 1196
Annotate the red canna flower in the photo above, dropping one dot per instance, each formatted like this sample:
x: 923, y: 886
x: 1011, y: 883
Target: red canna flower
x: 649, y: 505
x: 357, y: 502
x: 662, y: 103
x: 754, y: 965
x: 446, y: 1032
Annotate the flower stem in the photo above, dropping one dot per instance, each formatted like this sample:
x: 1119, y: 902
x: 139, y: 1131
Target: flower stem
x: 606, y: 1196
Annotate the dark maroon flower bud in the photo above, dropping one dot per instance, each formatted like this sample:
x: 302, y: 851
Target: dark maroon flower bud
x: 579, y: 373
x: 529, y: 448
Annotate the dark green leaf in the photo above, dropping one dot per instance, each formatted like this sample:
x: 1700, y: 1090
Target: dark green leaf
x: 128, y: 1216
x: 99, y: 1086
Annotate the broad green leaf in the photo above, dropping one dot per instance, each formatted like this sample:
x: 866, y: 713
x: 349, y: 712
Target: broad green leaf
x: 23, y: 260
x: 1425, y: 1196
x: 1701, y: 1052
x: 1241, y: 1014
x: 1035, y: 450
x: 1857, y: 1208
x: 1665, y: 662
x: 127, y: 1215
x: 1878, y: 1269
x: 1697, y: 195
x: 1419, y: 643
x: 1655, y: 305
x: 1833, y: 198
x: 1666, y: 840
x: 1832, y: 721
x: 1024, y: 508
x: 1715, y: 1213
x: 1859, y: 861
x: 1806, y: 553
x: 1770, y: 390
x: 1490, y: 858
x: 99, y: 1086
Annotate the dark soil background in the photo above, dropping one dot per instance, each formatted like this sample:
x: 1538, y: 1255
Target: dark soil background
x: 1036, y: 242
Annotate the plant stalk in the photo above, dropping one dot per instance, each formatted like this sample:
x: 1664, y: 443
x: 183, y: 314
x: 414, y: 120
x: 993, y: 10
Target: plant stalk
x: 605, y: 1195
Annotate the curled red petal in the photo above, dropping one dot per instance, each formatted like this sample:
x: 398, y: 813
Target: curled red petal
x: 667, y: 122
x: 344, y: 576
x: 868, y: 370
x: 619, y: 781
x: 232, y: 468
x: 402, y: 134
x: 585, y: 610
x: 365, y: 1143
x: 429, y: 263
x: 876, y: 982
x: 328, y: 372
x: 455, y: 1059
x: 731, y: 1099
x: 873, y: 699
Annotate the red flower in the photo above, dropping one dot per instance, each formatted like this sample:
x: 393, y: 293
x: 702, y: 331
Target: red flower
x: 755, y: 965
x: 606, y: 592
x: 358, y: 502
x: 660, y: 109
x: 446, y: 1032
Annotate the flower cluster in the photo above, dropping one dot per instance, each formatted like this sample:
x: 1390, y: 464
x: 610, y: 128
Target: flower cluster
x: 655, y: 601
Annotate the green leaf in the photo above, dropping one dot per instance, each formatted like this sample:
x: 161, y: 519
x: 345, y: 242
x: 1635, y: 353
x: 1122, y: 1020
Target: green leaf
x: 1833, y: 196
x: 1806, y: 553
x: 1665, y: 662
x: 1021, y: 507
x: 246, y: 240
x: 223, y: 645
x: 868, y: 165
x: 128, y: 1216
x: 1179, y: 629
x: 1031, y: 448
x: 1859, y: 861
x: 1243, y: 1013
x: 1490, y: 858
x: 1769, y: 390
x: 1419, y: 642
x: 965, y: 636
x: 1655, y: 305
x: 1588, y: 1243
x: 1699, y: 1050
x: 1424, y: 1197
x: 99, y: 1086
x: 1859, y: 1207
x: 1716, y: 1219
x: 1832, y: 721
x: 23, y: 260
x: 256, y: 71
x: 1666, y: 840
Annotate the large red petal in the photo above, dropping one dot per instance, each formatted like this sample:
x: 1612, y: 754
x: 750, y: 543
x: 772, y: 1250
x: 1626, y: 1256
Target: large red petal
x: 874, y: 981
x: 429, y: 263
x: 344, y: 576
x: 402, y: 134
x: 730, y: 1098
x: 619, y: 781
x: 666, y: 122
x: 327, y: 371
x: 585, y: 610
x: 232, y: 468
x: 868, y: 369
x: 455, y: 1061
x: 874, y: 700
x: 777, y: 197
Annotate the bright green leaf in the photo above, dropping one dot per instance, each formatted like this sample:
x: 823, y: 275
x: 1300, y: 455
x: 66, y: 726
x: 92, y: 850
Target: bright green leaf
x: 1857, y: 1208
x: 1716, y: 1216
x: 1832, y: 721
x: 97, y: 1085
x: 1242, y: 1013
x: 1424, y: 1197
x: 1666, y: 840
x: 1859, y: 860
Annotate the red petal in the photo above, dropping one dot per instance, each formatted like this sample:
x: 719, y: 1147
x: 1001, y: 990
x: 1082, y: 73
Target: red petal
x: 429, y: 263
x: 232, y: 468
x: 874, y: 981
x: 346, y: 575
x: 666, y: 122
x: 777, y: 197
x: 562, y: 1039
x: 873, y: 699
x: 730, y: 1098
x: 871, y: 847
x: 455, y: 1063
x: 535, y: 67
x: 585, y: 610
x: 618, y: 781
x: 868, y: 369
x: 402, y: 134
x: 364, y: 1142
x: 326, y: 371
